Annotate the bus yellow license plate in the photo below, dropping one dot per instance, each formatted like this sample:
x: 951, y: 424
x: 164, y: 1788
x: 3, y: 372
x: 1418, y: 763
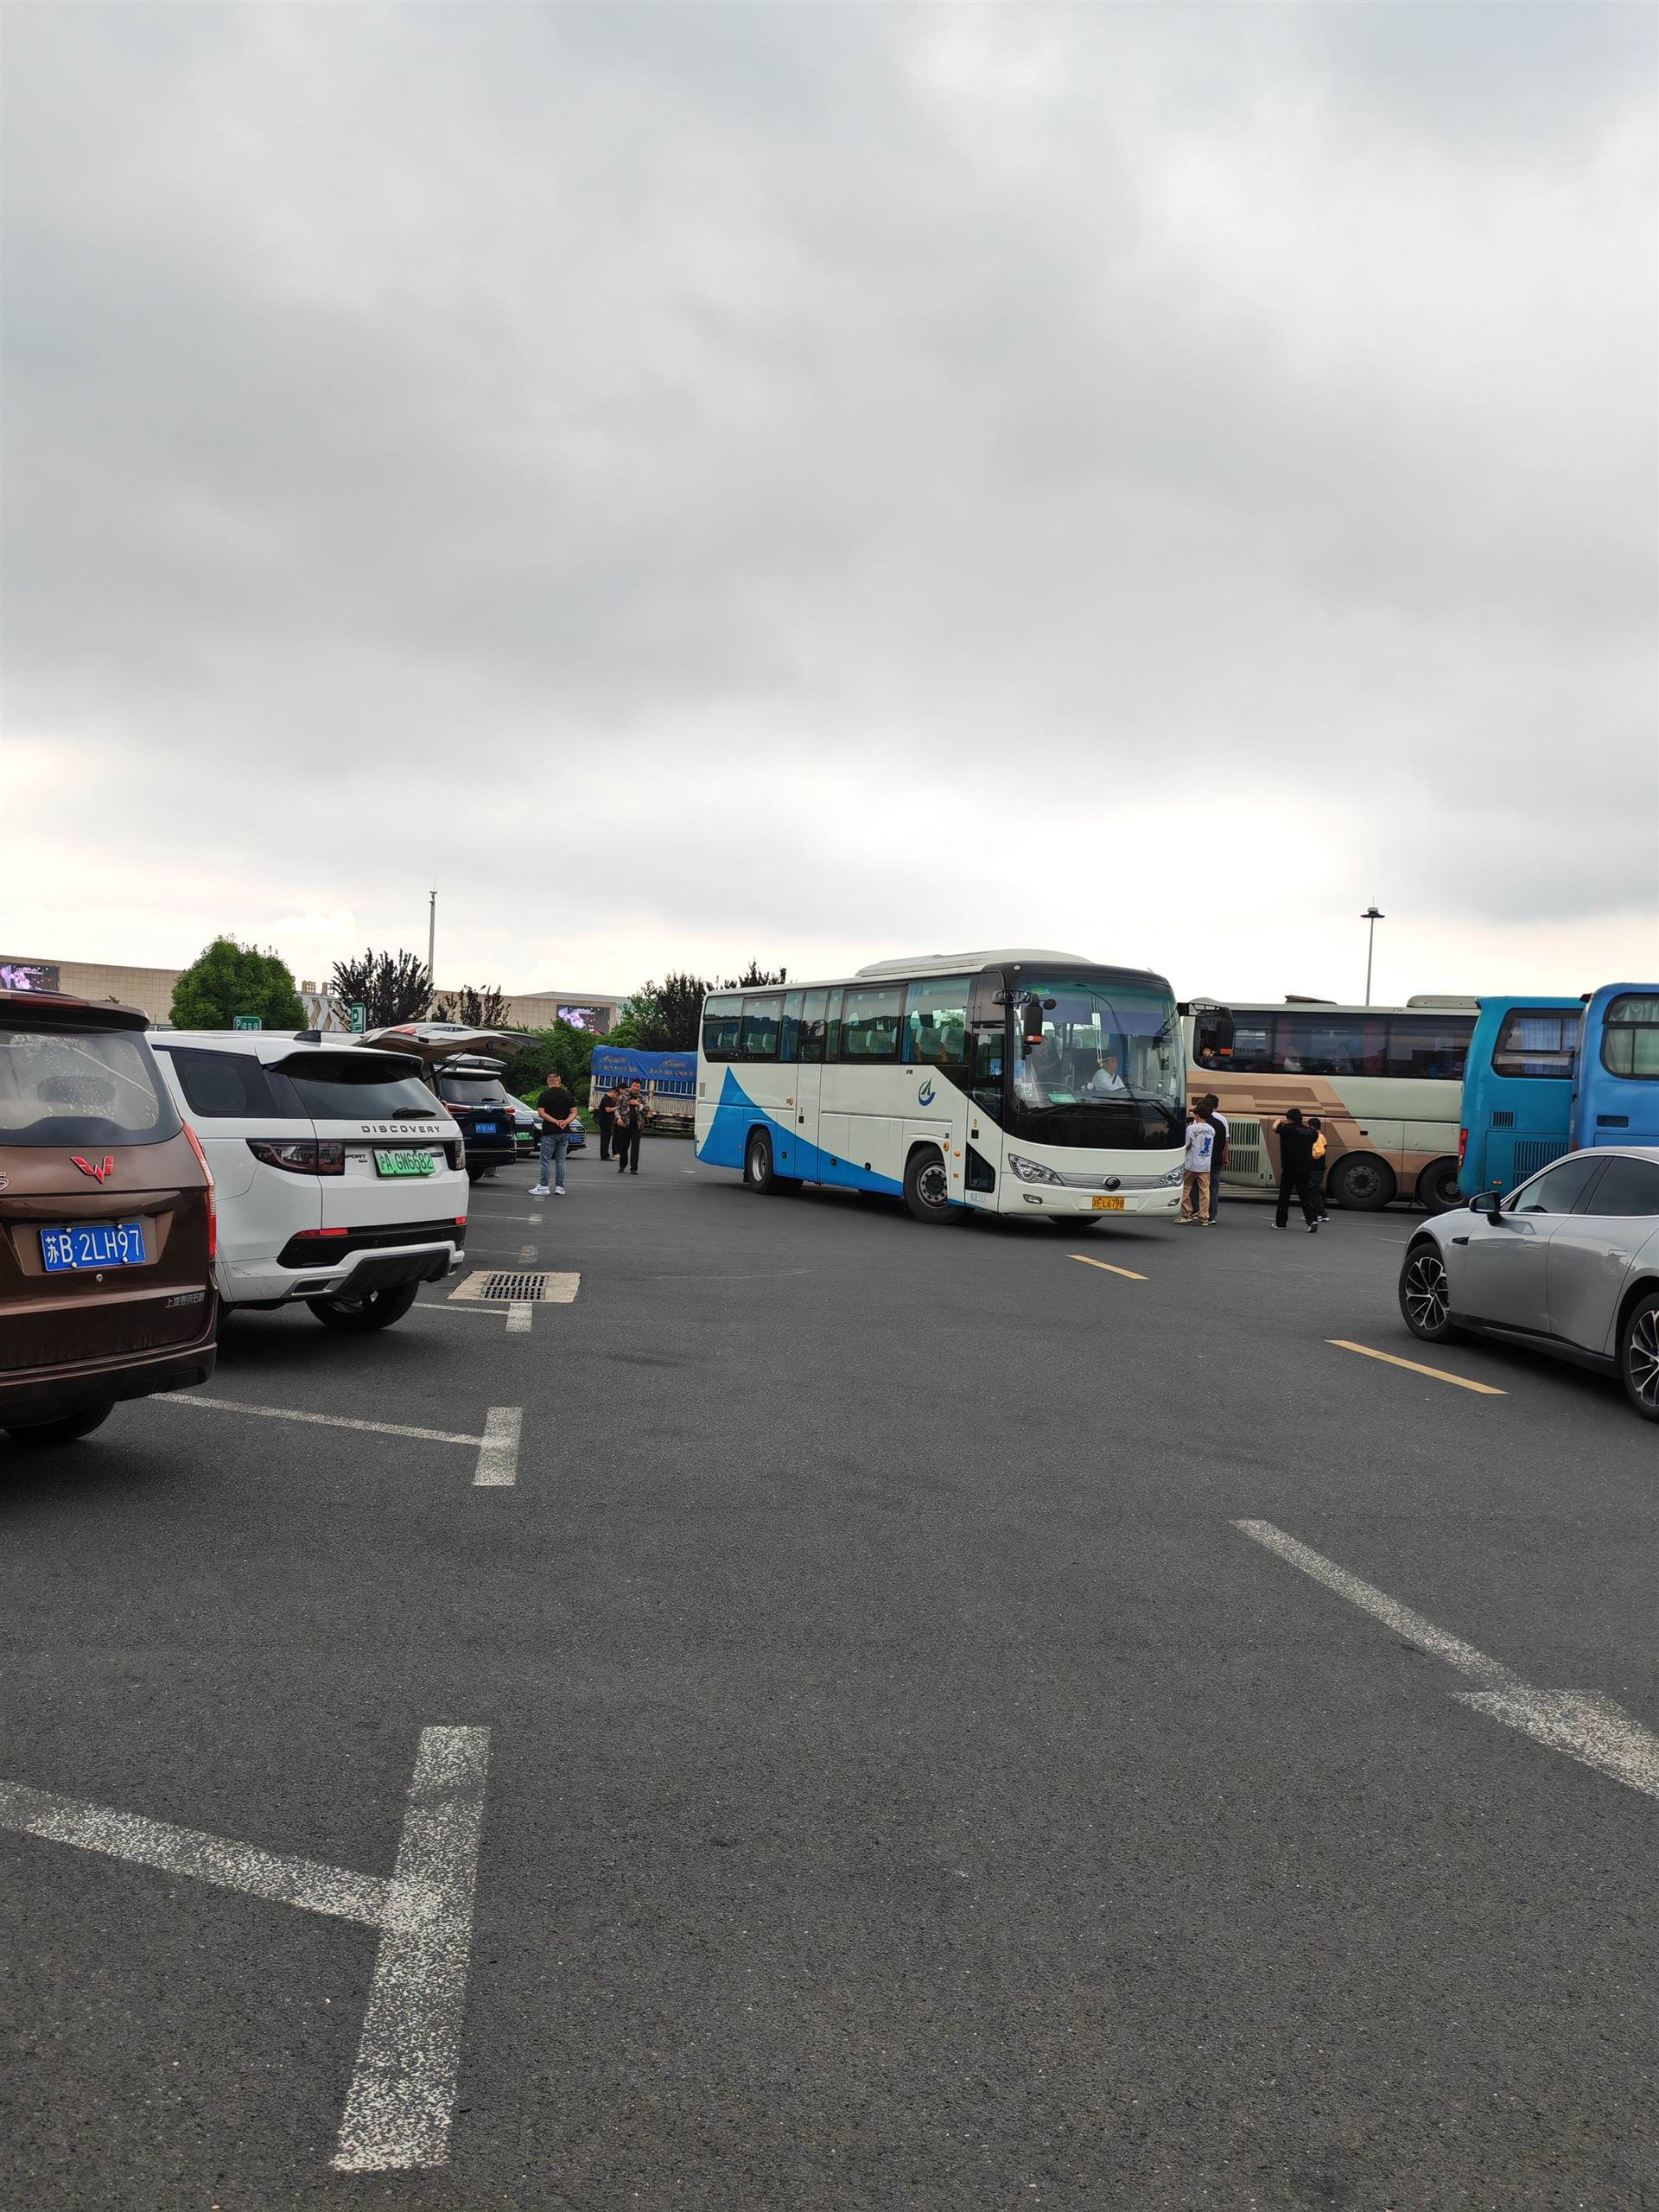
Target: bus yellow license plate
x: 1107, y: 1205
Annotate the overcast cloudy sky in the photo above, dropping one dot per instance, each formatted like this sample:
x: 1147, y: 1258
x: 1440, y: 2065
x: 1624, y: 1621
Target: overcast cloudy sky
x: 821, y: 482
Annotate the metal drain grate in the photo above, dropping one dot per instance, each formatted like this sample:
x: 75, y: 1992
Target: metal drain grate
x: 513, y: 1287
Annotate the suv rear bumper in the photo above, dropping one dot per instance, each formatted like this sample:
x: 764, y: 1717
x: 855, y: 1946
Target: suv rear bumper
x: 367, y: 1266
x: 38, y: 1394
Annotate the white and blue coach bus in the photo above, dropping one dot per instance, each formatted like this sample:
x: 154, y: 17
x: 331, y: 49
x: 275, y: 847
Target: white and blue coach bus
x: 1018, y: 1081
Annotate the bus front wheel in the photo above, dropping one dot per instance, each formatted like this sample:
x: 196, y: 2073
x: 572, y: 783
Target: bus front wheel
x: 1437, y: 1187
x: 1361, y: 1183
x: 927, y: 1186
x: 758, y: 1171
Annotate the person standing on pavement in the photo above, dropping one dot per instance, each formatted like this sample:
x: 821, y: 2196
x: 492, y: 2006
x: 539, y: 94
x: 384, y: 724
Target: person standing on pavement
x: 631, y: 1116
x: 1217, y: 1121
x: 605, y: 1114
x: 1295, y: 1170
x: 1316, y: 1168
x: 1195, y: 1172
x: 557, y: 1109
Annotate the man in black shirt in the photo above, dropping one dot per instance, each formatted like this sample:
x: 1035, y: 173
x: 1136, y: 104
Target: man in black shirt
x: 557, y: 1109
x: 1295, y: 1170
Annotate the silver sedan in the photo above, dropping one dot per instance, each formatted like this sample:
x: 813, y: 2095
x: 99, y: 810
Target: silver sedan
x: 1568, y: 1263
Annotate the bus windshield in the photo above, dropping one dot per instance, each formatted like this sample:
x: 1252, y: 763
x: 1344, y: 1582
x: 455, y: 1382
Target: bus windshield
x: 1108, y: 1069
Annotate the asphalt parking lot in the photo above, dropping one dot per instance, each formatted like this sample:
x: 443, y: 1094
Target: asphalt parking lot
x: 798, y: 1722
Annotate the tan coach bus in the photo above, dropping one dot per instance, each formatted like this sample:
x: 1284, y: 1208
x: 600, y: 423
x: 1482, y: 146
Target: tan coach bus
x: 1386, y: 1083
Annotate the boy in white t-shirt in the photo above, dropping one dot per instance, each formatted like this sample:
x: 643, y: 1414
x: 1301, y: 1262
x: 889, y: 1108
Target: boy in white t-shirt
x: 1195, y: 1172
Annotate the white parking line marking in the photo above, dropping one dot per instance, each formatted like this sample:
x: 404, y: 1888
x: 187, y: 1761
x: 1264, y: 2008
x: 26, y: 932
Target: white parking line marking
x: 270, y: 1875
x: 1401, y: 1618
x: 518, y: 1313
x: 498, y: 1448
x: 400, y: 2106
x: 322, y: 1420
x: 526, y: 1254
x: 1589, y: 1727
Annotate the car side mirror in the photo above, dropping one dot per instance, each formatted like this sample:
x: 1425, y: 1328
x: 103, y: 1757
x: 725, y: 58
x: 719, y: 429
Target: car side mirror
x: 1489, y: 1202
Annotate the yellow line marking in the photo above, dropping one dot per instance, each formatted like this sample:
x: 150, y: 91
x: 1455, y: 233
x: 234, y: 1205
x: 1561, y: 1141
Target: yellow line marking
x: 1486, y: 1390
x: 1107, y: 1266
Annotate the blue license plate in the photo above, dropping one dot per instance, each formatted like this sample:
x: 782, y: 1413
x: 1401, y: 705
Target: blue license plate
x: 93, y: 1244
x: 485, y: 1128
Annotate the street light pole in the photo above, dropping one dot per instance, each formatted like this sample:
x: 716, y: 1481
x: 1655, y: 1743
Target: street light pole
x: 431, y: 937
x: 1372, y: 916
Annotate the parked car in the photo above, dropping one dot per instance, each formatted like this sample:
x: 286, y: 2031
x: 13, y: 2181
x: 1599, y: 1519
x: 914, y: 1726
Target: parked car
x: 341, y: 1180
x: 1568, y: 1264
x: 106, y: 1222
x: 472, y: 1090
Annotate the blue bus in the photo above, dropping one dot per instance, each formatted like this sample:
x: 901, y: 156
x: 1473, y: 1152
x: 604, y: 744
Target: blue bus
x: 1517, y: 1090
x: 1546, y: 1075
x: 1615, y: 1100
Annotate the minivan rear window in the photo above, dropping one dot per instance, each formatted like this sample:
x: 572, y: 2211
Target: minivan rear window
x: 81, y: 1086
x: 473, y: 1090
x: 334, y: 1087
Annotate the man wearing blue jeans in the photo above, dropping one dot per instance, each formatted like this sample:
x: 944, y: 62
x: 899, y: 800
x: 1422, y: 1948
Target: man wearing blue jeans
x: 557, y: 1109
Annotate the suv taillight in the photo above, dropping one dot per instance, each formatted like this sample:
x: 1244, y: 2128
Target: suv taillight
x: 212, y: 1198
x: 456, y: 1154
x: 300, y: 1155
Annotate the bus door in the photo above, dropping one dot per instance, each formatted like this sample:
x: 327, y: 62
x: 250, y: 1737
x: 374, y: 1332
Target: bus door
x: 985, y: 1078
x: 803, y: 1027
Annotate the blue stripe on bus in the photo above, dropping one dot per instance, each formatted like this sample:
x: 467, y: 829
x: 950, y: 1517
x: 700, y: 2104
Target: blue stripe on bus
x: 727, y: 1140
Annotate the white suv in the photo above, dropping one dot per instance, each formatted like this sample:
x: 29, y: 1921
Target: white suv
x: 340, y: 1179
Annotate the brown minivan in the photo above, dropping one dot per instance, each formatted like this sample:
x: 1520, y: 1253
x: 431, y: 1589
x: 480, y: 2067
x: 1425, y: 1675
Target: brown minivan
x: 107, y: 1221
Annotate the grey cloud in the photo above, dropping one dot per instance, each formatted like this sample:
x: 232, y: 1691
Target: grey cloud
x: 743, y: 384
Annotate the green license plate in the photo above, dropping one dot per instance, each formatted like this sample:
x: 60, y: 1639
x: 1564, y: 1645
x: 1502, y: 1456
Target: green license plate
x: 405, y: 1163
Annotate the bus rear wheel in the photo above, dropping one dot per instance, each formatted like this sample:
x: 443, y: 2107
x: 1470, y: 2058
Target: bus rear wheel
x: 1361, y: 1183
x: 759, y: 1173
x: 1437, y: 1186
x: 927, y: 1186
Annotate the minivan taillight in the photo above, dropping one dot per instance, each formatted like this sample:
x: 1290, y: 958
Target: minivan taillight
x: 213, y: 1196
x: 300, y: 1155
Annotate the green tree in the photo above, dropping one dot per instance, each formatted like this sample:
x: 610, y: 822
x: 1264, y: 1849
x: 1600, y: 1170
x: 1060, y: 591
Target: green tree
x: 230, y: 979
x: 389, y: 990
x: 664, y: 1017
x: 479, y: 1009
x: 568, y: 1050
x: 635, y: 1017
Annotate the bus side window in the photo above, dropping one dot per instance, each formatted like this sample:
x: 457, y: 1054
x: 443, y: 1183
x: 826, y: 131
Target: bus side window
x: 810, y: 1044
x: 936, y: 1021
x: 791, y: 1028
x: 720, y: 1021
x: 761, y: 1020
x: 869, y: 1023
x: 1537, y: 1042
x: 1629, y: 1038
x: 1425, y: 1047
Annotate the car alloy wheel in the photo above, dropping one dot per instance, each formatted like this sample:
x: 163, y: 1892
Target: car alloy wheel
x: 1423, y: 1294
x: 1642, y: 1360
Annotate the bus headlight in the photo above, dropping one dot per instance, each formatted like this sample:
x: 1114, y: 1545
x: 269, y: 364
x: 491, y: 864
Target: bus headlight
x: 1033, y: 1170
x: 1170, y: 1175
